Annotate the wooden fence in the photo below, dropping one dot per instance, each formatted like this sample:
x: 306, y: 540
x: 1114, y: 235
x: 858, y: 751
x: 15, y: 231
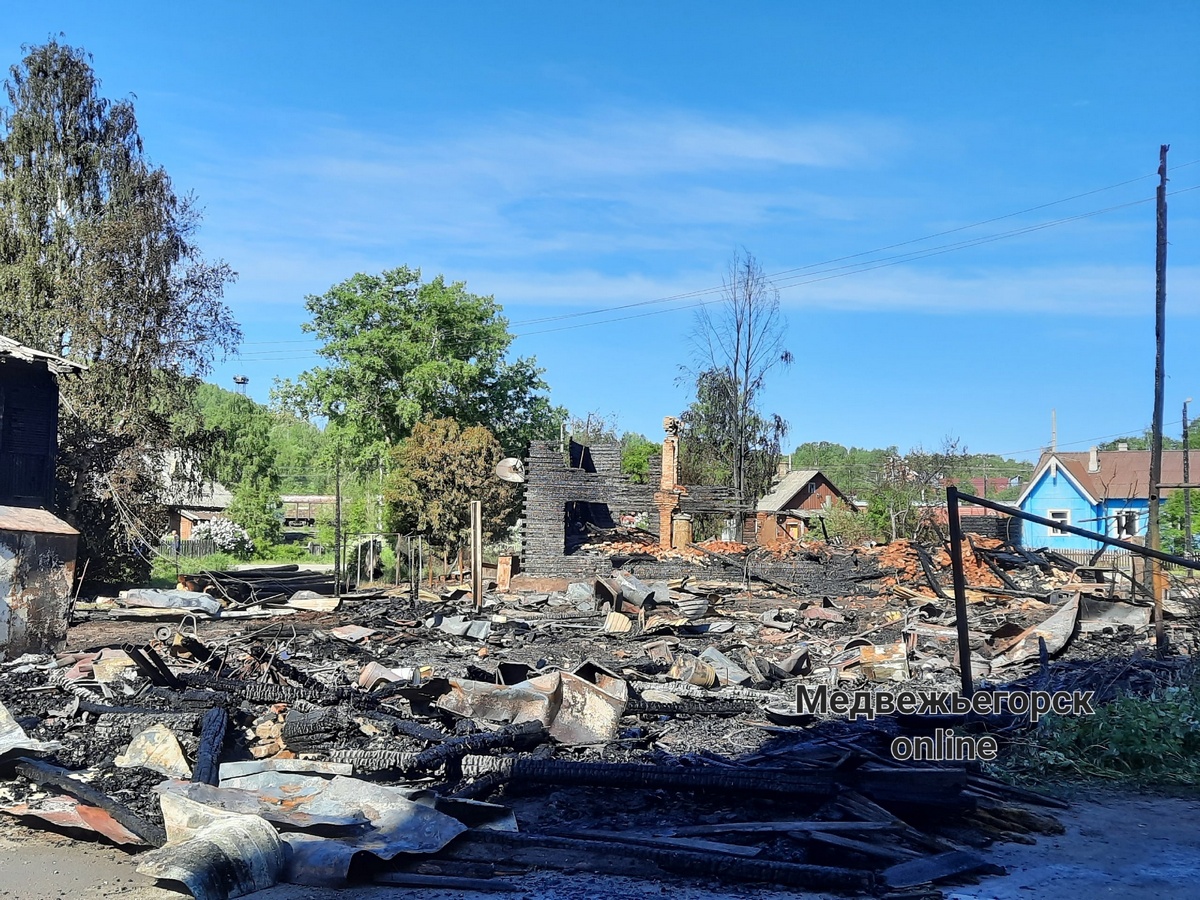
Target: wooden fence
x: 190, y: 549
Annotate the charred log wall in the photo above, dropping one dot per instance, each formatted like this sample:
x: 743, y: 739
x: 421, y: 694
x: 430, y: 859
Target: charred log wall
x: 551, y: 485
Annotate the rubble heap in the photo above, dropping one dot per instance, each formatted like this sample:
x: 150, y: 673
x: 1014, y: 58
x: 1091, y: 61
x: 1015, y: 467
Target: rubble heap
x: 646, y: 728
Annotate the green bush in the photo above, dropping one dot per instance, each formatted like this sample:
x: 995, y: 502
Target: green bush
x: 1155, y: 738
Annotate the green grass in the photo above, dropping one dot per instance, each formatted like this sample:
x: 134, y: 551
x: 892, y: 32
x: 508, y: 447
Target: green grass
x: 163, y: 571
x: 1145, y: 740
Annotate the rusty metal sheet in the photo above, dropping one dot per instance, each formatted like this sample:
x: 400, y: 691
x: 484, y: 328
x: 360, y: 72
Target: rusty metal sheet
x: 317, y: 861
x: 352, y: 633
x: 575, y: 710
x: 37, y: 571
x: 1056, y: 630
x: 884, y: 662
x: 617, y: 623
x: 1096, y: 614
x: 398, y: 824
x: 67, y: 812
x: 588, y: 713
x: 693, y: 670
x: 728, y: 672
x: 661, y: 624
x: 291, y: 800
x: 216, y: 854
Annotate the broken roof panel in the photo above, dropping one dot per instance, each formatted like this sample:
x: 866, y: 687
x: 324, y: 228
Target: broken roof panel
x: 35, y: 521
x: 56, y: 364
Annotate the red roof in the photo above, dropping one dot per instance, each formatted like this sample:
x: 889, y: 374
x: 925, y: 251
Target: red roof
x: 1121, y: 474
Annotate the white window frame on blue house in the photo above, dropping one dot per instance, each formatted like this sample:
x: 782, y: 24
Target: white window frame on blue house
x: 1059, y: 515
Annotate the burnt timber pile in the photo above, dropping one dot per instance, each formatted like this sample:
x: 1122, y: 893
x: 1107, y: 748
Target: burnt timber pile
x: 637, y: 725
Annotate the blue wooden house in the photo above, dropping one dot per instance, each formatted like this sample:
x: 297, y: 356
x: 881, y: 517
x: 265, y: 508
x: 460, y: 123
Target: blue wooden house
x: 1106, y: 491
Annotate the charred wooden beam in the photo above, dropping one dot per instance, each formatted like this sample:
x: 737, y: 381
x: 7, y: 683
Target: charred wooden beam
x: 212, y: 741
x: 259, y: 692
x: 452, y: 751
x: 710, y: 779
x: 46, y: 775
x: 150, y: 664
x: 930, y: 576
x: 637, y: 706
x: 373, y: 760
x: 407, y: 727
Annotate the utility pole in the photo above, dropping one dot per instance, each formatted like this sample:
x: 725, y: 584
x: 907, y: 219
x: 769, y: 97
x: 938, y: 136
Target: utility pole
x: 1187, y: 492
x: 477, y: 554
x: 1153, y: 536
x: 337, y: 520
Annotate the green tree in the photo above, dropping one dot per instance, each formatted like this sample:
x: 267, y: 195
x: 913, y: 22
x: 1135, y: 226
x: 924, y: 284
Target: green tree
x: 243, y: 458
x: 98, y: 262
x: 910, y: 492
x: 593, y: 428
x: 437, y: 472
x: 398, y: 349
x: 717, y: 447
x: 1172, y: 522
x: 301, y: 456
x: 1142, y: 442
x: 636, y: 450
x: 241, y: 430
x: 736, y: 343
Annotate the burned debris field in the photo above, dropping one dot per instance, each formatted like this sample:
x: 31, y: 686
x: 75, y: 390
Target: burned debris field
x: 250, y: 728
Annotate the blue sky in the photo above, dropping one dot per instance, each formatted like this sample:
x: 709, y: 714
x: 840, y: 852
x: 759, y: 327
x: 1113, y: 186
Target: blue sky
x: 578, y: 159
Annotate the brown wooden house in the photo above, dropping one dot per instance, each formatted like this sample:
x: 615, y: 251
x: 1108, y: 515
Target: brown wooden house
x: 792, y: 508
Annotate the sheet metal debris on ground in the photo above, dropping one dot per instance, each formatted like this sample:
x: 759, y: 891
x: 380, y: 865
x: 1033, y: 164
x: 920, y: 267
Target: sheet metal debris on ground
x: 618, y: 724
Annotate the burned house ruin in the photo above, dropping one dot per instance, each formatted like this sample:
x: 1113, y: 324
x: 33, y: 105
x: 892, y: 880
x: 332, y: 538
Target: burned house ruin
x: 575, y: 491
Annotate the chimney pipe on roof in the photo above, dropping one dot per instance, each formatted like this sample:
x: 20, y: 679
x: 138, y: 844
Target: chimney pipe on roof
x: 1093, y: 460
x: 1123, y: 447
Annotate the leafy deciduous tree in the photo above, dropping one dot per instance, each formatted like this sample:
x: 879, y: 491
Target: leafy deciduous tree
x: 399, y: 349
x: 437, y: 472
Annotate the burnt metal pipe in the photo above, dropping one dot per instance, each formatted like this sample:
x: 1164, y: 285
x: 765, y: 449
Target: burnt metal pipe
x: 960, y: 591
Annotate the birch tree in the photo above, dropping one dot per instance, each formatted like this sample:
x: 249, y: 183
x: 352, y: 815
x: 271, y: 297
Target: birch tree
x: 736, y: 343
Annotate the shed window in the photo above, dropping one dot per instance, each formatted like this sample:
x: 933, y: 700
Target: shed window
x: 1059, y: 515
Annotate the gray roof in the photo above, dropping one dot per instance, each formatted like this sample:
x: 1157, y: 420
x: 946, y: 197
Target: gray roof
x: 57, y: 364
x: 183, y: 487
x: 786, y: 489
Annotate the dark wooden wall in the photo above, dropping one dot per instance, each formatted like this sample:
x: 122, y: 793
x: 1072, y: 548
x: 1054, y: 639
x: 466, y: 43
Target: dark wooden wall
x: 28, y: 434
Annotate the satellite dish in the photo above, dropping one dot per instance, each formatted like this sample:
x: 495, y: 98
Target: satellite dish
x: 510, y: 469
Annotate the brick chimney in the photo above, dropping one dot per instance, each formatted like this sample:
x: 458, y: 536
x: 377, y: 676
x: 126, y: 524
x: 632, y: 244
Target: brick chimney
x: 1093, y: 460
